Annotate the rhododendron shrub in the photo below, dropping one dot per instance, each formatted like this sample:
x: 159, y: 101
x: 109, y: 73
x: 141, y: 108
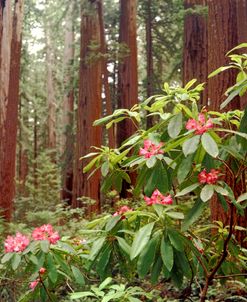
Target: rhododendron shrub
x: 191, y: 153
x: 41, y: 261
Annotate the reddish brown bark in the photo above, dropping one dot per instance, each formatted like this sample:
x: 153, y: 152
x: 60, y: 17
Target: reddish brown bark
x: 111, y: 138
x: 127, y: 75
x: 8, y: 152
x: 227, y: 28
x: 149, y: 57
x: 89, y: 106
x: 68, y: 108
x: 195, y: 57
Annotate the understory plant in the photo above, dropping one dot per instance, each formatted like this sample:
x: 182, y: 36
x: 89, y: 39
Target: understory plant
x: 187, y: 158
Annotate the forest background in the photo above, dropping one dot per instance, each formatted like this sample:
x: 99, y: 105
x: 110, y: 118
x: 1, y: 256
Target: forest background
x: 65, y: 64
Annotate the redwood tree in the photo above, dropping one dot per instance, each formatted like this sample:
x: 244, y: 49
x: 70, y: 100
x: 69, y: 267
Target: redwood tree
x: 89, y: 104
x: 68, y: 107
x: 227, y: 28
x: 10, y: 73
x: 195, y: 54
x: 127, y: 75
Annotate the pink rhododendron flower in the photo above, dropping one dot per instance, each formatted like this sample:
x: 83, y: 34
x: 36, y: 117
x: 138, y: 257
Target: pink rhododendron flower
x: 158, y: 198
x: 208, y: 178
x: 122, y: 210
x: 33, y: 284
x: 16, y: 243
x: 46, y: 232
x: 42, y: 270
x: 201, y: 125
x: 150, y: 149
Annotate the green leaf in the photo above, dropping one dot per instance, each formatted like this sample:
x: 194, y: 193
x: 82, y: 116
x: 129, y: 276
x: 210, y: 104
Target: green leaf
x: 175, y: 215
x: 190, y: 84
x: 207, y: 192
x: 231, y: 96
x: 188, y: 189
x: 151, y: 162
x: 242, y: 197
x: 45, y: 246
x: 51, y: 268
x: 166, y: 251
x: 105, y: 168
x: 141, y: 239
x: 105, y: 283
x: 82, y: 295
x: 97, y: 245
x: 218, y: 70
x: 193, y: 214
x: 191, y: 145
x: 16, y: 259
x: 79, y: 278
x: 175, y: 239
x: 221, y: 190
x: 104, y: 260
x: 146, y: 258
x: 156, y: 269
x: 184, y: 168
x: 113, y: 220
x: 209, y: 145
x: 242, y: 45
x: 123, y: 245
x: 175, y: 125
x: 91, y: 164
x: 157, y: 180
x: 243, y: 128
x: 7, y: 257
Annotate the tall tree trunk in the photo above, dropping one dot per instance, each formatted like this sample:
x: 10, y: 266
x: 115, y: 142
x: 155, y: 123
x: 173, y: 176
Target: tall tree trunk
x: 89, y: 105
x: 8, y: 156
x: 195, y: 54
x: 149, y: 57
x: 108, y: 105
x: 127, y: 72
x: 68, y: 108
x: 51, y: 101
x: 227, y: 28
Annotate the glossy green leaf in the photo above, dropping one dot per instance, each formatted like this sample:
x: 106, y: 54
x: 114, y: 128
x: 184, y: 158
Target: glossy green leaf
x: 156, y: 269
x: 166, y: 251
x: 15, y: 261
x: 81, y: 295
x: 146, y: 257
x: 210, y: 145
x: 207, y: 192
x: 97, y: 245
x: 151, y: 162
x: 141, y: 239
x: 79, y: 278
x: 188, y: 189
x: 184, y: 168
x: 175, y: 125
x: 175, y: 239
x: 190, y: 145
x: 193, y: 214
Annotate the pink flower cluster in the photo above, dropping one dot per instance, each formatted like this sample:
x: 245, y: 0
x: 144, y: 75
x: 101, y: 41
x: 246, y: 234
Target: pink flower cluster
x: 150, y: 149
x: 122, y: 210
x: 46, y: 232
x: 158, y: 198
x: 199, y: 126
x: 16, y: 243
x: 208, y: 178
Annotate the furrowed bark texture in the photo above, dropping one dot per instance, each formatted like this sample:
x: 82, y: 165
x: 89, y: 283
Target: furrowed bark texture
x: 227, y: 28
x: 195, y: 55
x: 11, y: 99
x: 149, y: 57
x: 128, y: 84
x: 108, y: 105
x: 89, y: 106
x: 68, y: 108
